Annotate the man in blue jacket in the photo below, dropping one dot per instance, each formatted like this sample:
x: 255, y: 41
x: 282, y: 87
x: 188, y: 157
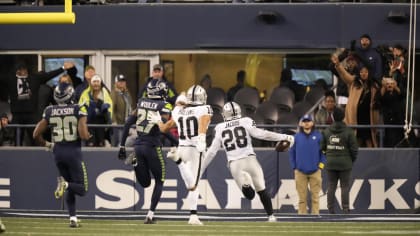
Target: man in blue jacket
x: 307, y: 161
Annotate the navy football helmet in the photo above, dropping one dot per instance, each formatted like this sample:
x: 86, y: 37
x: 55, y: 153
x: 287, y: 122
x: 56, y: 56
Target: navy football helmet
x: 157, y: 89
x: 64, y: 93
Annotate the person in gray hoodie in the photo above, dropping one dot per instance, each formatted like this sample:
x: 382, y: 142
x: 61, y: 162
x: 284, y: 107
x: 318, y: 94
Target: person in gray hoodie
x: 340, y: 146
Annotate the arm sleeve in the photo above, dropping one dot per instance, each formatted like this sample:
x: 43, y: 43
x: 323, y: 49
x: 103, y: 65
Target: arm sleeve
x: 265, y: 134
x: 131, y: 120
x: 44, y: 77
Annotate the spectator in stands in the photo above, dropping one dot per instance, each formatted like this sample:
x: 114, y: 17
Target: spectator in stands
x: 307, y: 161
x: 362, y: 107
x: 369, y: 57
x: 351, y: 65
x: 99, y: 106
x: 7, y: 134
x: 158, y: 73
x: 23, y: 91
x: 397, y: 67
x: 324, y: 115
x: 122, y: 106
x: 206, y: 82
x: 287, y: 81
x: 340, y: 147
x: 89, y: 73
x: 393, y: 110
x: 240, y: 83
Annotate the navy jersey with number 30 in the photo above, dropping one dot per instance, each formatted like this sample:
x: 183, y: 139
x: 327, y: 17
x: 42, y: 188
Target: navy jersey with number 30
x: 64, y: 120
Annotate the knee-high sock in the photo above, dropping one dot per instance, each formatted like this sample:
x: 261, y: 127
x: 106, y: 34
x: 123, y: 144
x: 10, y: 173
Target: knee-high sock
x: 157, y: 193
x: 187, y: 176
x: 266, y: 201
x: 193, y: 199
x: 71, y: 202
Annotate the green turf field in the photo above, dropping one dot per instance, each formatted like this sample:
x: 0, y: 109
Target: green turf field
x: 92, y: 227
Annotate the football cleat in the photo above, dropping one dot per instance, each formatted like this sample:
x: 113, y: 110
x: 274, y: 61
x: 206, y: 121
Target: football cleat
x: 61, y: 187
x: 272, y: 218
x: 194, y: 220
x: 173, y: 154
x: 75, y: 224
x: 248, y: 191
x: 149, y: 221
x: 2, y: 227
x: 131, y: 159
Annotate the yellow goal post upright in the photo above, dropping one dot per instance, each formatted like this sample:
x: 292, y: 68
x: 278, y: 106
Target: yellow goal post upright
x: 66, y: 17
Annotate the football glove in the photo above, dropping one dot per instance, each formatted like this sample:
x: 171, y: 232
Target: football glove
x: 49, y: 147
x: 290, y: 139
x: 173, y: 154
x: 201, y: 143
x: 122, y: 154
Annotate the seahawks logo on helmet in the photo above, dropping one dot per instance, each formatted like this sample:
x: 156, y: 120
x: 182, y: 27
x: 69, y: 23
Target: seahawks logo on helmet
x: 157, y: 89
x: 196, y: 95
x: 64, y: 93
x: 231, y: 111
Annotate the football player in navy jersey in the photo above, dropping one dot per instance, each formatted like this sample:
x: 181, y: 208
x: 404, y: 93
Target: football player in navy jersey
x: 68, y: 128
x: 148, y: 145
x: 234, y: 135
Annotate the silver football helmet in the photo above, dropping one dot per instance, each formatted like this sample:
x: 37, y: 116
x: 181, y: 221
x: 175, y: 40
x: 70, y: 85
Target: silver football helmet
x: 196, y: 95
x: 231, y: 111
x: 64, y: 93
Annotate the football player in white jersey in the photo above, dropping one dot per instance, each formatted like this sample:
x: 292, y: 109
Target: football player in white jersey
x: 234, y: 135
x: 192, y: 118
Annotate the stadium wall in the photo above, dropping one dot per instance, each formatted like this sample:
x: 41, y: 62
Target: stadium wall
x: 384, y: 181
x: 210, y: 26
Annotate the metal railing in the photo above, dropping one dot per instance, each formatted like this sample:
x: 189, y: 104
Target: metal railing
x: 275, y: 127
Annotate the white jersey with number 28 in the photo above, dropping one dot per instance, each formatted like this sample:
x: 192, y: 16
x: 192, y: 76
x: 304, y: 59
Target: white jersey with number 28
x: 235, y: 137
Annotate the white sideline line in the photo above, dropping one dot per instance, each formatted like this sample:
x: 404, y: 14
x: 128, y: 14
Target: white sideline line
x: 384, y: 218
x: 207, y: 217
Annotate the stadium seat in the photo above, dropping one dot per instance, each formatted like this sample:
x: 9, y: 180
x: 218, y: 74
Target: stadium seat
x: 5, y: 108
x: 216, y: 98
x: 248, y: 99
x: 288, y: 118
x: 268, y: 111
x: 283, y: 97
x: 301, y: 108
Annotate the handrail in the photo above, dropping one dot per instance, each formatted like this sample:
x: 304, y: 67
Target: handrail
x: 266, y: 126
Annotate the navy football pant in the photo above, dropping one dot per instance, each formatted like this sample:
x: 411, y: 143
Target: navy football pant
x: 69, y: 162
x: 150, y: 160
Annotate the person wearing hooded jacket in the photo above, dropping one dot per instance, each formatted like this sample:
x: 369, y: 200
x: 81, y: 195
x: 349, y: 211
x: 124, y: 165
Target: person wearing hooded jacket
x: 340, y: 147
